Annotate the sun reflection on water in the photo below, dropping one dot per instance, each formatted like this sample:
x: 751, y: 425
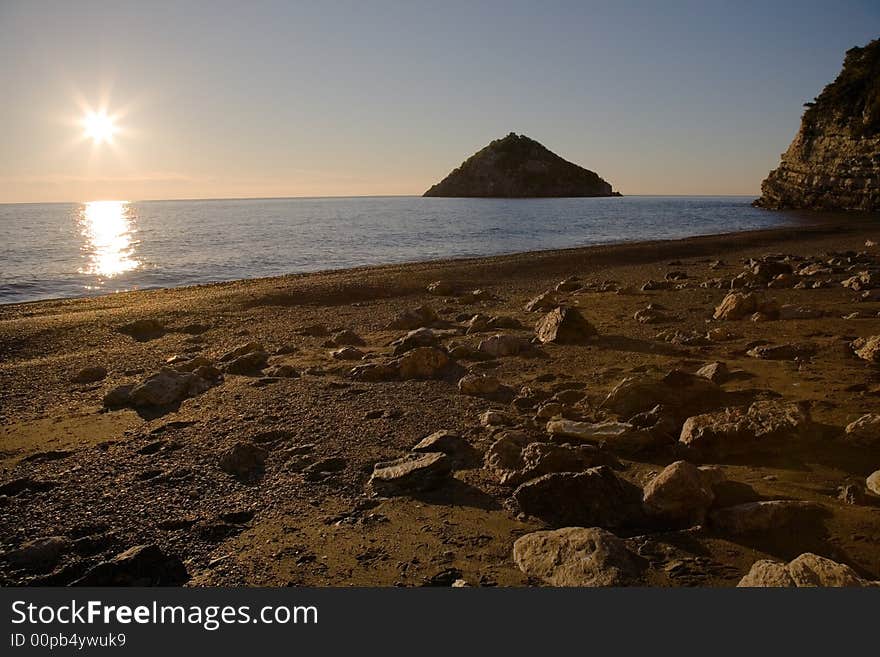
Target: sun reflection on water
x: 108, y: 230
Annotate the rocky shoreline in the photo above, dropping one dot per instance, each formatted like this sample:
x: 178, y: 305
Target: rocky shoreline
x: 700, y: 412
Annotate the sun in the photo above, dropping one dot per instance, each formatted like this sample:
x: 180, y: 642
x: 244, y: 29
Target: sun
x: 99, y: 127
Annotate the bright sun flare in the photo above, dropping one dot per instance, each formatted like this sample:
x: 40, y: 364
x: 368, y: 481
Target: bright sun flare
x: 99, y: 127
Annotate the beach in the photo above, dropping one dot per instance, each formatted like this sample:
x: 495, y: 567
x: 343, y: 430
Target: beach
x: 107, y: 477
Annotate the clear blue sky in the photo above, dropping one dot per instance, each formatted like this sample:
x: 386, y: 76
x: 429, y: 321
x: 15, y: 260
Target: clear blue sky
x: 231, y: 99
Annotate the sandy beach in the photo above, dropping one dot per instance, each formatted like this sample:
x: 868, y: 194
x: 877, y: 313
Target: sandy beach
x: 298, y: 508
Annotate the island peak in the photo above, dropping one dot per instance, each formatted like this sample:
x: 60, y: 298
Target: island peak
x: 516, y: 166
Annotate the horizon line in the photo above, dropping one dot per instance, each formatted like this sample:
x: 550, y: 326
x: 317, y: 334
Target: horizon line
x: 341, y: 196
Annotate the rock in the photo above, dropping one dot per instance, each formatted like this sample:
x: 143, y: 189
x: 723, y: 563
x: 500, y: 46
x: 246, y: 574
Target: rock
x: 873, y: 482
x: 861, y: 281
x: 681, y: 494
x: 243, y: 460
x: 415, y: 318
x: 503, y: 345
x: 807, y: 570
x: 588, y: 431
x: 409, y: 474
x: 375, y: 372
x: 442, y: 288
x: 347, y: 353
x: 447, y: 442
x: 596, y: 497
x: 852, y: 494
x: 570, y: 284
x: 142, y: 565
x: 538, y: 458
x: 735, y: 306
x: 864, y: 432
x: 283, y: 371
x: 832, y: 162
x: 477, y: 324
x: 680, y: 391
x: 518, y: 167
x: 652, y: 285
x: 144, y: 329
x: 564, y: 326
x: 720, y: 334
x: 190, y: 364
x: 716, y: 372
x: 503, y: 459
x: 868, y: 348
x: 652, y: 315
x: 478, y: 384
x: 241, y: 350
x: 166, y: 387
x: 90, y: 374
x: 547, y: 300
x: 39, y: 554
x: 578, y: 556
x: 345, y: 338
x: 422, y: 363
x: 761, y: 516
x: 118, y: 396
x: 493, y: 418
x: 549, y: 410
x: 763, y: 426
x: 319, y: 470
x: 250, y: 363
x: 791, y: 351
x: 422, y: 337
x: 766, y: 573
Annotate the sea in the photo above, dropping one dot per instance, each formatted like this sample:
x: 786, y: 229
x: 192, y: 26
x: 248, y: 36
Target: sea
x: 59, y: 250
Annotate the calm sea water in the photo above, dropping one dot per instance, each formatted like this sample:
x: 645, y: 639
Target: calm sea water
x: 67, y: 250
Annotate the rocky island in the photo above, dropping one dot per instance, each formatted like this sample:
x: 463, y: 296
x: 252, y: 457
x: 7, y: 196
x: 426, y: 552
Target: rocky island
x: 834, y: 161
x: 518, y: 167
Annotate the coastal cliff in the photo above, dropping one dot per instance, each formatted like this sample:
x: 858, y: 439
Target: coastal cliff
x: 834, y: 161
x: 518, y: 167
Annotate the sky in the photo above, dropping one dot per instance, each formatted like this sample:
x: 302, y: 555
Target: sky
x: 264, y: 99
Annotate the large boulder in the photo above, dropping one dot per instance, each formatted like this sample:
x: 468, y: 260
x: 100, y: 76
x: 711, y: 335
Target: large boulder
x: 167, y: 387
x: 735, y: 306
x: 513, y: 458
x: 762, y: 426
x: 410, y: 474
x: 423, y: 363
x: 807, y: 570
x: 564, y: 326
x: 680, y: 495
x: 597, y: 497
x: 678, y: 391
x: 142, y: 565
x: 864, y: 432
x: 578, y: 556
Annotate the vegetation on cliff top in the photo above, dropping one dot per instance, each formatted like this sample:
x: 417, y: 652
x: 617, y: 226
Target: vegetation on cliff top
x: 853, y: 99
